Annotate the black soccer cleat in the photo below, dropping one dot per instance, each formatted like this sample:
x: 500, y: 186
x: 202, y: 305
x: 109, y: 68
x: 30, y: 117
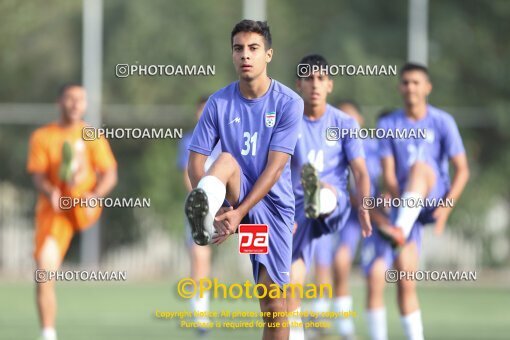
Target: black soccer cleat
x: 197, y: 209
x: 311, y: 189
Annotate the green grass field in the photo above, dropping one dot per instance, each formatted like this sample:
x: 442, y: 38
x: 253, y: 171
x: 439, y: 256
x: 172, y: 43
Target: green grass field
x: 126, y: 311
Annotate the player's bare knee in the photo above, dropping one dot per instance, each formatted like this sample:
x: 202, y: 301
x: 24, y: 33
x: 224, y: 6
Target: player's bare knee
x: 272, y: 305
x: 298, y: 272
x: 408, y: 258
x: 227, y: 160
x: 49, y: 256
x: 377, y: 273
x: 422, y: 171
x: 293, y: 303
x: 343, y: 263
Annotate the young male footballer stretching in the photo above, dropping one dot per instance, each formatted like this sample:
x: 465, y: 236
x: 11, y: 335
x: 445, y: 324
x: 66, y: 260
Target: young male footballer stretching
x: 63, y: 164
x: 256, y: 120
x: 320, y: 169
x: 414, y: 169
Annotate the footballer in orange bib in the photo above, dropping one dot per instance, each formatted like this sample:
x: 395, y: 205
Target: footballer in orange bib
x: 64, y: 167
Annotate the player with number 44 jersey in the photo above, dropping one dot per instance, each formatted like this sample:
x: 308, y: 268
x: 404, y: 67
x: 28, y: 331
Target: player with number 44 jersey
x: 256, y: 120
x: 320, y: 175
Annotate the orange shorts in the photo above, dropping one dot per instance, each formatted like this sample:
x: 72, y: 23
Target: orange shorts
x: 61, y: 225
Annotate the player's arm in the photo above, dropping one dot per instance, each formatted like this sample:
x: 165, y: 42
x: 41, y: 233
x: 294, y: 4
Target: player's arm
x: 459, y: 181
x: 379, y: 218
x: 362, y: 182
x: 274, y: 168
x: 185, y: 178
x: 282, y: 145
x: 105, y: 166
x: 205, y: 137
x: 275, y: 164
x: 44, y: 186
x: 196, y: 167
x: 352, y: 193
x: 390, y: 182
x: 460, y: 176
x: 38, y: 164
x: 106, y: 181
x: 389, y: 176
x: 457, y: 155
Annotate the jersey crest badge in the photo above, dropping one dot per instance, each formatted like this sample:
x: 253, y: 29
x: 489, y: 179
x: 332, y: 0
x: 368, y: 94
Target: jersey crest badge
x: 270, y: 119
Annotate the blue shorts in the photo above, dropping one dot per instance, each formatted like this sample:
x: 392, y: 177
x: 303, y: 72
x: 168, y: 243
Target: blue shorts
x: 310, y: 229
x: 439, y: 191
x: 323, y: 250
x: 350, y: 235
x: 278, y: 259
x: 376, y: 246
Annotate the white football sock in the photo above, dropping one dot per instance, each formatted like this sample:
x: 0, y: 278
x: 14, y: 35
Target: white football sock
x: 327, y: 201
x: 344, y: 325
x: 49, y: 333
x: 321, y: 305
x: 200, y: 304
x: 413, y: 327
x: 215, y: 191
x: 296, y: 332
x: 406, y: 215
x: 377, y: 326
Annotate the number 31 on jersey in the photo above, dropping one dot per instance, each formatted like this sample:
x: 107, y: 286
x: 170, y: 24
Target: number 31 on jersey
x: 250, y: 144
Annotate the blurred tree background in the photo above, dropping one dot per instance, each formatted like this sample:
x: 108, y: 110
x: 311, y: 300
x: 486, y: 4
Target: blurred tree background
x: 468, y: 58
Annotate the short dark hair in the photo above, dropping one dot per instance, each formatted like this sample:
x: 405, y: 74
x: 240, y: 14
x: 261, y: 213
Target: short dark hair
x: 414, y: 67
x: 66, y: 86
x: 259, y: 27
x: 314, y: 59
x: 350, y: 102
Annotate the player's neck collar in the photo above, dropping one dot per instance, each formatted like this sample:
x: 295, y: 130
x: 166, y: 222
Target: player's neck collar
x: 251, y: 100
x: 413, y: 118
x: 313, y: 118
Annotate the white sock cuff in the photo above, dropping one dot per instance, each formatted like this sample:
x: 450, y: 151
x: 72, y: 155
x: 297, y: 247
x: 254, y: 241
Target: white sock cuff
x: 377, y: 325
x: 297, y: 316
x: 213, y: 184
x: 49, y: 333
x: 413, y: 326
x: 345, y: 325
x: 328, y: 201
x: 321, y: 305
x: 407, y: 214
x: 215, y: 190
x: 412, y: 317
x: 376, y: 312
x: 343, y: 303
x: 411, y: 194
x: 295, y: 332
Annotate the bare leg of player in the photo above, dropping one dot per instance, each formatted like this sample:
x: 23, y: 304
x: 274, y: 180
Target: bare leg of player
x: 49, y: 260
x: 376, y: 312
x: 297, y: 276
x: 221, y: 181
x: 421, y: 178
x: 277, y: 305
x: 226, y: 169
x: 343, y: 299
x: 200, y: 262
x: 406, y: 294
x: 200, y: 269
x: 421, y: 181
x: 323, y: 275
